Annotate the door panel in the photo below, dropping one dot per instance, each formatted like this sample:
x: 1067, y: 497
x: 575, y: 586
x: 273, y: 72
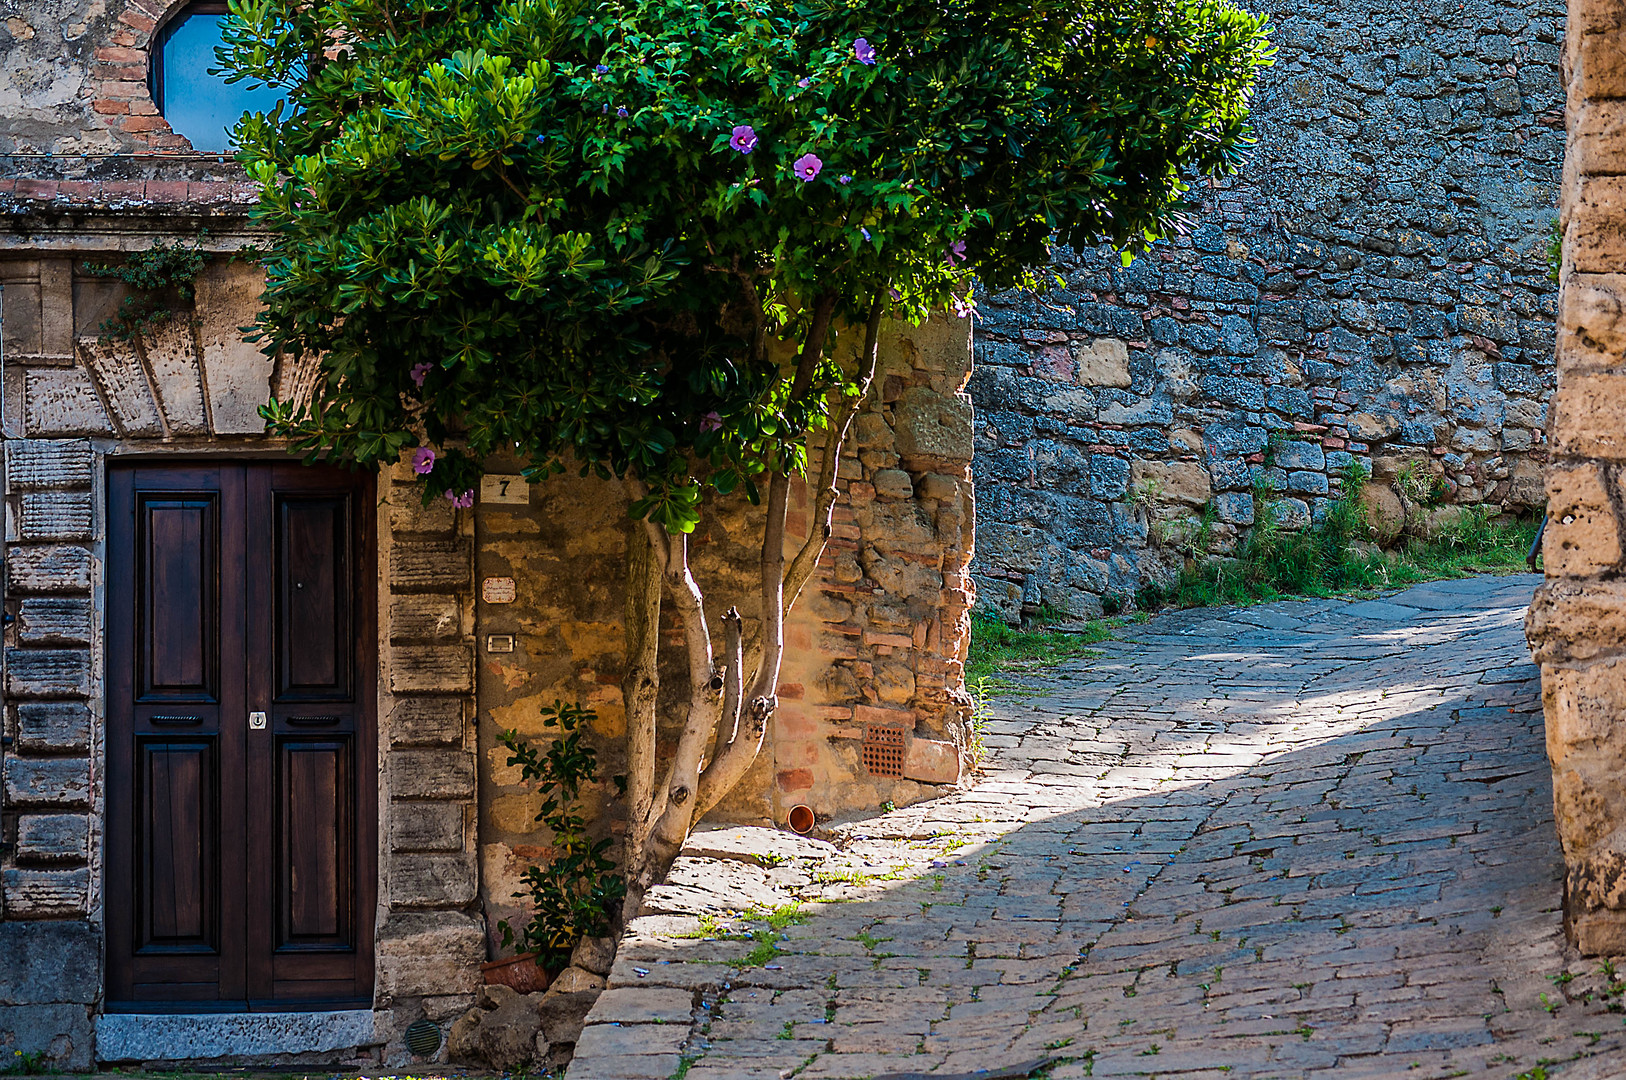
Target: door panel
x: 314, y: 594
x: 315, y: 857
x: 180, y: 605
x: 179, y: 859
x: 175, y: 856
x: 241, y: 861
x: 316, y: 796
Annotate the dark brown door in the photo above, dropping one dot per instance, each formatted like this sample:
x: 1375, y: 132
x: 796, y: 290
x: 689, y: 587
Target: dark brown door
x: 241, y: 784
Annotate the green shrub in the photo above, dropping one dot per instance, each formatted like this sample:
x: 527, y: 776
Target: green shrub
x: 574, y: 894
x: 1324, y: 559
x: 996, y: 646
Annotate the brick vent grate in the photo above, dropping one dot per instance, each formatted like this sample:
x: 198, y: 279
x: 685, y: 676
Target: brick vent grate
x: 883, y: 750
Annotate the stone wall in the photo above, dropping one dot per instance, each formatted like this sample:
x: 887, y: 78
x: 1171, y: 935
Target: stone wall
x: 430, y: 937
x: 1577, y: 624
x: 1371, y: 288
x: 877, y: 640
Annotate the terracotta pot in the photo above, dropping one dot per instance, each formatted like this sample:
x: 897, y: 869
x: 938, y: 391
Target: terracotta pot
x: 520, y: 972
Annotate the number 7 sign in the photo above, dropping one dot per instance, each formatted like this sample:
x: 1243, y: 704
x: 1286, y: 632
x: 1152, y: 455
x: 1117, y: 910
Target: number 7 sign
x: 504, y: 488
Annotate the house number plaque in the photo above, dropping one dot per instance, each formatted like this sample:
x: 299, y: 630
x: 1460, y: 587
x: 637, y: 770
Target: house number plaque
x: 498, y: 590
x: 505, y: 488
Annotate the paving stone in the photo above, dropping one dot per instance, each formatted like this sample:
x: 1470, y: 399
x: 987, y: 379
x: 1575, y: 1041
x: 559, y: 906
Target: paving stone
x: 1306, y: 839
x: 634, y: 1005
x: 618, y: 1040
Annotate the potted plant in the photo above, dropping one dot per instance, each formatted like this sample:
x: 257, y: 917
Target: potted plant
x: 524, y: 972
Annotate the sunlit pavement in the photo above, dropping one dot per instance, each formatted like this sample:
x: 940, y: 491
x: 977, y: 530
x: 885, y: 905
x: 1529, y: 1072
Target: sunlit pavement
x: 1297, y: 840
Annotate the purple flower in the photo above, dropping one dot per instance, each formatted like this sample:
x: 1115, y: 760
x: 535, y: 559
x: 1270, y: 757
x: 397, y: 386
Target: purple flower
x: 711, y: 422
x: 463, y: 501
x: 743, y: 139
x: 601, y: 68
x: 863, y: 52
x: 423, y: 462
x: 541, y: 138
x: 420, y: 372
x: 956, y: 253
x: 844, y: 179
x: 964, y: 307
x: 621, y: 111
x: 864, y: 231
x: 807, y: 167
x: 804, y: 82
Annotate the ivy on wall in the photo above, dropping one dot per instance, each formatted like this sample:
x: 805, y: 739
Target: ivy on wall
x: 162, y: 281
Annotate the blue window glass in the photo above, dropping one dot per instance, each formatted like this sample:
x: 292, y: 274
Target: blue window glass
x: 201, y: 106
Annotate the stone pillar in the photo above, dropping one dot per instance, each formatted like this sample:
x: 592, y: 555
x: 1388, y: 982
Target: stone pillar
x: 1577, y: 624
x: 430, y: 943
x: 52, y: 956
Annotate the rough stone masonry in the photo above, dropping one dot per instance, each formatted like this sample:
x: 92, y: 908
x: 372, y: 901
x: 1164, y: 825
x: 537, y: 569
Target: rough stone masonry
x: 1371, y: 288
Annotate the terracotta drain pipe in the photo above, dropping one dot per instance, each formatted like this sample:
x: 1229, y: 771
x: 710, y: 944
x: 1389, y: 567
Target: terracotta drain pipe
x: 801, y: 819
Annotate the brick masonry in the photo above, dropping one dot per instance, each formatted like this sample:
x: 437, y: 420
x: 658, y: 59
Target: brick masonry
x: 1575, y: 624
x: 79, y: 72
x: 1370, y: 288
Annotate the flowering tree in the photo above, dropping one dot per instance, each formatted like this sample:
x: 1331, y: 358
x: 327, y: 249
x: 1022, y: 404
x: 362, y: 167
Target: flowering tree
x: 589, y: 232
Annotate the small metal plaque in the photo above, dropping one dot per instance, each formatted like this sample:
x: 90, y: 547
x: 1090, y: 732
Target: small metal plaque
x: 499, y: 643
x: 256, y: 721
x: 498, y: 590
x: 505, y: 488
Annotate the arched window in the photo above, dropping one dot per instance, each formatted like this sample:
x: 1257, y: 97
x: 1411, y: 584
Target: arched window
x: 201, y: 106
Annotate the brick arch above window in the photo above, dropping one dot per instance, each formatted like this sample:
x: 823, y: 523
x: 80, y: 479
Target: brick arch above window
x: 123, y: 94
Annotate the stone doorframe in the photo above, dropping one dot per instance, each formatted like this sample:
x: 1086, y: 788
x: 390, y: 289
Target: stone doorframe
x: 192, y: 388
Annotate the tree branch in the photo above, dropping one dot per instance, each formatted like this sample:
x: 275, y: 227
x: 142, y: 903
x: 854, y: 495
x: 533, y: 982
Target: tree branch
x: 733, y: 759
x: 728, y: 723
x: 640, y: 692
x: 801, y: 568
x: 673, y: 809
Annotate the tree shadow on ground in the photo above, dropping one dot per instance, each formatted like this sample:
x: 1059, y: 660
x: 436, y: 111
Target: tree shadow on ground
x: 1338, y: 859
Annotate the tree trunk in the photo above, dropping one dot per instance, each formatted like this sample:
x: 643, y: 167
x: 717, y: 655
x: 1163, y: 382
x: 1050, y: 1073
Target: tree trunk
x: 725, y: 724
x: 641, y: 685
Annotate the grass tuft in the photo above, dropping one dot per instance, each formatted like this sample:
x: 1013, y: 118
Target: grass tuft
x: 997, y: 647
x: 1325, y: 560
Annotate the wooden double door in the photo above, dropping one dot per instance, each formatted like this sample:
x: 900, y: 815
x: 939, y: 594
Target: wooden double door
x: 242, y: 778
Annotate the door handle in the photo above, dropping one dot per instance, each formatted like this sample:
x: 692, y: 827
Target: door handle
x: 256, y: 721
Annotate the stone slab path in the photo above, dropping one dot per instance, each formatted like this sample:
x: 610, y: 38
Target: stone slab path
x: 1300, y: 840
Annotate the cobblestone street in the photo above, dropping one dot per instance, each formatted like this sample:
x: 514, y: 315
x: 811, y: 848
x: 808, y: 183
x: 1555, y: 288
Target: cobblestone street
x: 1304, y: 839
